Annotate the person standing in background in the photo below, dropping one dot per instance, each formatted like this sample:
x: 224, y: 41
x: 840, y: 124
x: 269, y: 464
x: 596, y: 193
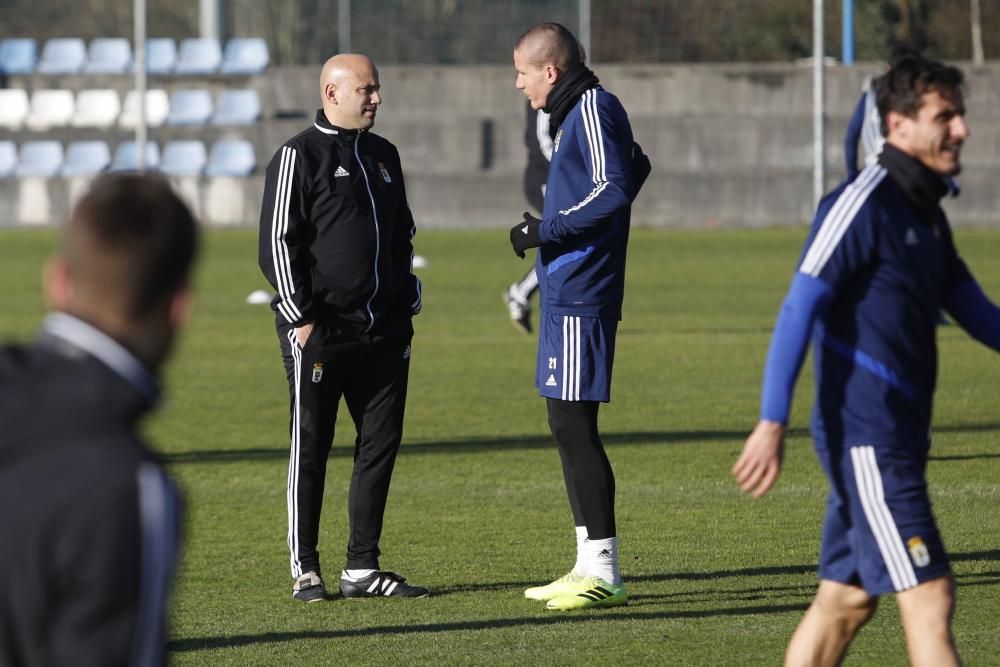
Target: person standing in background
x: 517, y: 297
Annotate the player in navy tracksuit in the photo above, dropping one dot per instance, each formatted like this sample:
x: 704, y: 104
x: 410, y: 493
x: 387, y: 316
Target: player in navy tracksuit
x: 595, y: 173
x: 877, y: 268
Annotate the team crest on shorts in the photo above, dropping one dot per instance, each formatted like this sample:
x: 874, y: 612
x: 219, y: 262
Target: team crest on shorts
x: 317, y: 372
x: 555, y: 145
x: 384, y: 172
x: 918, y: 552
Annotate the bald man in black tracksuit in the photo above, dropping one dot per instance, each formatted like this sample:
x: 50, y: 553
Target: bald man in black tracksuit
x: 335, y: 242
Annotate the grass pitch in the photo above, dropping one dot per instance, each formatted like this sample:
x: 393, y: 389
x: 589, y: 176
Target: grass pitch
x: 477, y: 509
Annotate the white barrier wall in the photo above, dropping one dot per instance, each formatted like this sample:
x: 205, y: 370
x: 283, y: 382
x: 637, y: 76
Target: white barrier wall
x: 730, y: 144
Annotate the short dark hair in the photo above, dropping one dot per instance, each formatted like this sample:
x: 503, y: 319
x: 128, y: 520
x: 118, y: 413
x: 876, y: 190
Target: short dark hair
x: 552, y: 43
x: 131, y: 237
x: 901, y: 89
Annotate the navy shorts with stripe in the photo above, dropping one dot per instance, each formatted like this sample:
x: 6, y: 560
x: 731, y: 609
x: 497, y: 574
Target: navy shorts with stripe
x: 879, y: 532
x: 575, y: 356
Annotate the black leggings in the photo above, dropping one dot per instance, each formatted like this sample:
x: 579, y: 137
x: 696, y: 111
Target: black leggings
x: 590, y: 482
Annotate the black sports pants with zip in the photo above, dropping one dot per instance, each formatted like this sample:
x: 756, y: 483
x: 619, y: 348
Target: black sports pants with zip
x: 371, y: 375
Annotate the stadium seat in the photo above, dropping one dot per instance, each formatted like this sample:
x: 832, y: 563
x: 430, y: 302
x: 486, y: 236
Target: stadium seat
x: 157, y: 108
x: 63, y: 55
x: 40, y: 158
x: 8, y: 158
x: 190, y: 106
x: 231, y: 157
x: 97, y: 108
x: 199, y: 55
x: 13, y: 108
x: 245, y: 55
x: 86, y: 158
x: 161, y: 55
x: 237, y: 107
x: 18, y: 55
x: 127, y: 156
x: 108, y: 55
x: 50, y: 108
x: 185, y: 157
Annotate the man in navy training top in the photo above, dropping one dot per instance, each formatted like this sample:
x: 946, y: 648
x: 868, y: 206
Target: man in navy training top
x: 878, y: 266
x: 595, y: 173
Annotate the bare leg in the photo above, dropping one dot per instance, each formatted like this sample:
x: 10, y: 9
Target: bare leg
x: 836, y: 614
x: 926, y: 611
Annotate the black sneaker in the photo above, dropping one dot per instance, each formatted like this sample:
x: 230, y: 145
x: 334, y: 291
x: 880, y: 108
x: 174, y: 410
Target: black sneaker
x: 381, y: 584
x: 309, y: 588
x: 518, y: 309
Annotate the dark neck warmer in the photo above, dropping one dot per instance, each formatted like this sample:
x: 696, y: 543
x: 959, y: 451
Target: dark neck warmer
x: 923, y: 187
x: 575, y: 82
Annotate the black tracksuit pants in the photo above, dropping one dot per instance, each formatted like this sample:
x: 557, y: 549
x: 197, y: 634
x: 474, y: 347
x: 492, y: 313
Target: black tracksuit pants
x: 371, y: 375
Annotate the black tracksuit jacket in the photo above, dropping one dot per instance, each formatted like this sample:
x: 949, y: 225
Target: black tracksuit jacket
x: 336, y: 232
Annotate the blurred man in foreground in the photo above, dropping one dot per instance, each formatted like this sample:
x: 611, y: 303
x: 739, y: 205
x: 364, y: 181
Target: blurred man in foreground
x: 89, y: 522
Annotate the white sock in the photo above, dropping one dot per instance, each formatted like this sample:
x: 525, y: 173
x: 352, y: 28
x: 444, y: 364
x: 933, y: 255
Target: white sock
x: 355, y: 575
x: 602, y: 560
x: 580, y: 568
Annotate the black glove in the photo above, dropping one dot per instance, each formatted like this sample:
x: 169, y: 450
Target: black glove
x: 640, y: 168
x: 525, y: 234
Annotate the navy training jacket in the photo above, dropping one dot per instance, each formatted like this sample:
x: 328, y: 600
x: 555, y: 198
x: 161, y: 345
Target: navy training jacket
x: 594, y: 176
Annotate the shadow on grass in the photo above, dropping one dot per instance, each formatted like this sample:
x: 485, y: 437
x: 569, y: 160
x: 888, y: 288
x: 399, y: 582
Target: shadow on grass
x: 470, y: 445
x: 622, y: 614
x: 484, y: 444
x: 965, y: 457
x: 661, y: 577
x: 198, y: 644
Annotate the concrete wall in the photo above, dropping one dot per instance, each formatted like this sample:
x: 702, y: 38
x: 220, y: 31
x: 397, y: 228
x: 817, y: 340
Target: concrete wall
x: 731, y: 145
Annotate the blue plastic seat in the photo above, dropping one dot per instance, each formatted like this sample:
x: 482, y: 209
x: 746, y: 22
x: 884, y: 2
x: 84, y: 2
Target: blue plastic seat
x: 245, y: 55
x: 190, y: 106
x: 40, y: 158
x: 18, y: 55
x: 127, y: 157
x: 63, y: 55
x: 231, y: 157
x: 161, y: 55
x: 8, y: 158
x: 199, y: 56
x: 86, y: 158
x: 108, y: 55
x: 185, y: 157
x: 237, y: 107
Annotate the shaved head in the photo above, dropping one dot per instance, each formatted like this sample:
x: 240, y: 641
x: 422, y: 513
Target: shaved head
x: 550, y: 44
x: 349, y: 87
x: 342, y: 65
